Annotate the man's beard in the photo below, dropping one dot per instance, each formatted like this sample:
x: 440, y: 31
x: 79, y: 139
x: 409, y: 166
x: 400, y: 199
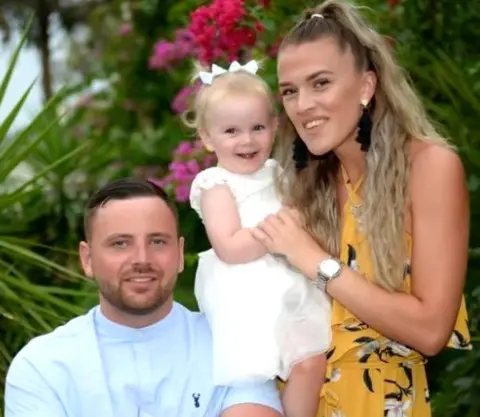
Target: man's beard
x: 142, y: 304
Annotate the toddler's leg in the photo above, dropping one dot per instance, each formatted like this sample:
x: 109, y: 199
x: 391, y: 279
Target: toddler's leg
x: 301, y: 395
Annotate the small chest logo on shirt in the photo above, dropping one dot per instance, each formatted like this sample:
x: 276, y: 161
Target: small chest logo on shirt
x: 196, y: 400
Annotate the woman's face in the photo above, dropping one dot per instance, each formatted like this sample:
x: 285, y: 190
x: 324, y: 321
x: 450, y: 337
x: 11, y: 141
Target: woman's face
x: 322, y: 92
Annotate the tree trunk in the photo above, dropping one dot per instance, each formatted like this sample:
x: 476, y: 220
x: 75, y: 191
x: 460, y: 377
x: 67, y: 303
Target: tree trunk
x: 43, y: 15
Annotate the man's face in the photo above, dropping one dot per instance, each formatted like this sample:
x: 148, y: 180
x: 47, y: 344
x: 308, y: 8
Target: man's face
x: 135, y: 255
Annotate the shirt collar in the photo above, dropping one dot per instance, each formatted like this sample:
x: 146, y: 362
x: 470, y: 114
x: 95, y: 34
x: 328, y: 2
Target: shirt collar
x: 107, y: 328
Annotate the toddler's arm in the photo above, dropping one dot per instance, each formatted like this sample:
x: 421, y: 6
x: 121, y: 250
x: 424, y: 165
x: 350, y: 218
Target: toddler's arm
x: 232, y: 243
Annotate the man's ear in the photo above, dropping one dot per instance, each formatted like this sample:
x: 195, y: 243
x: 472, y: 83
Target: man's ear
x: 86, y: 259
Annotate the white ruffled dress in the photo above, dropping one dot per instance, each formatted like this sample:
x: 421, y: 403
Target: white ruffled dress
x: 264, y: 316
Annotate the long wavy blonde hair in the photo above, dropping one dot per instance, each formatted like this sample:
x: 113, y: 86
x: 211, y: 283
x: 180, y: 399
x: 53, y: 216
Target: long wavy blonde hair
x: 398, y: 117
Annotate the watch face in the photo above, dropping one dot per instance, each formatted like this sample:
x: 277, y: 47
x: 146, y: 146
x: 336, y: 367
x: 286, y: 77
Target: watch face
x: 330, y: 267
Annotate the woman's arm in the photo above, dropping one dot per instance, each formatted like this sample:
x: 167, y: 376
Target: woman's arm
x: 231, y: 242
x: 424, y: 319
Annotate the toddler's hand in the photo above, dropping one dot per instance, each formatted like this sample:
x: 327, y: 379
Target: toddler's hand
x: 283, y: 234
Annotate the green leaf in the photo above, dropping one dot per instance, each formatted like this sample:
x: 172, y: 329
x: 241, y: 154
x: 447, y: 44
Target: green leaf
x: 8, y: 121
x: 13, y: 197
x: 29, y: 256
x: 18, y: 148
x: 473, y: 183
x: 269, y: 25
x: 13, y: 60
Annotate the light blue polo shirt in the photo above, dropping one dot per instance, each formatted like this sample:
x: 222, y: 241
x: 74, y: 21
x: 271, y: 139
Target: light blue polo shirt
x: 93, y: 367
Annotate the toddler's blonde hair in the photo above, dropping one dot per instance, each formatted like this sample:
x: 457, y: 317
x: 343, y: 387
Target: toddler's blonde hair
x: 239, y: 82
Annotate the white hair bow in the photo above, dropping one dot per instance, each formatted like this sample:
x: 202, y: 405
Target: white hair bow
x: 207, y: 77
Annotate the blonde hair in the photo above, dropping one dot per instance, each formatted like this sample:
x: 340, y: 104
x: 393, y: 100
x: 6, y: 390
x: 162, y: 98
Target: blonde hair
x: 398, y: 116
x: 228, y: 83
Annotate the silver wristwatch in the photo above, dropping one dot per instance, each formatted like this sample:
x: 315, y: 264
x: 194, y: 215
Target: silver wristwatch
x: 327, y: 270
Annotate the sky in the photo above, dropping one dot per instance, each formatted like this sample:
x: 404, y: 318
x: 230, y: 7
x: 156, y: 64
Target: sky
x: 28, y: 68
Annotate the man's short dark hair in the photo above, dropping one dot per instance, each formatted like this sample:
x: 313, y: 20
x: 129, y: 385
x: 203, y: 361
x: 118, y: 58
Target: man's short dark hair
x: 124, y: 189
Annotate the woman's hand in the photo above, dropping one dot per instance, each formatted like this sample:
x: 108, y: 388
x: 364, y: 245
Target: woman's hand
x: 283, y: 234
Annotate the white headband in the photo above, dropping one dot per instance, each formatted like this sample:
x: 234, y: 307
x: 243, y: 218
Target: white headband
x: 207, y: 77
x: 317, y: 15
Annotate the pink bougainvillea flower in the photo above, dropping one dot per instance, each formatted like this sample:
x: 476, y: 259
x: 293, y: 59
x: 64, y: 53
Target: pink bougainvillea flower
x: 184, y: 148
x: 222, y: 29
x: 182, y: 193
x: 180, y: 102
x: 166, y: 53
x: 125, y: 29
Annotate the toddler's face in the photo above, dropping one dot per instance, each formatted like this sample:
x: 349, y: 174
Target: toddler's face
x: 240, y: 130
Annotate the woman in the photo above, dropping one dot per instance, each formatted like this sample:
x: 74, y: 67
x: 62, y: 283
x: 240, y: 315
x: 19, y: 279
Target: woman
x: 385, y: 208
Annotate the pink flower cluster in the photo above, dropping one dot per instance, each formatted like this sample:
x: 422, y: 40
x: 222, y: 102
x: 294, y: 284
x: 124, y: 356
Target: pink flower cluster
x: 180, y: 102
x: 221, y: 29
x: 165, y: 53
x: 217, y: 31
x: 125, y: 29
x: 189, y: 158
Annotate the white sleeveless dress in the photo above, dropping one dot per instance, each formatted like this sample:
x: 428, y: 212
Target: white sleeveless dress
x: 264, y: 316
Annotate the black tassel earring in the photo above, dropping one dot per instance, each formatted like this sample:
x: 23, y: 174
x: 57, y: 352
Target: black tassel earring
x: 364, y: 132
x: 300, y: 154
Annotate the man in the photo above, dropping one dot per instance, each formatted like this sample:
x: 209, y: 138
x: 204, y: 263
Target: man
x: 137, y: 354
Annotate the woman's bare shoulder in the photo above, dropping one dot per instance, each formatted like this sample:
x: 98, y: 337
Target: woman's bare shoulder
x: 435, y: 168
x: 433, y: 156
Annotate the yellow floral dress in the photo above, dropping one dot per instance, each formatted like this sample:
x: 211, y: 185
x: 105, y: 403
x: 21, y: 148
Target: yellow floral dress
x: 367, y: 374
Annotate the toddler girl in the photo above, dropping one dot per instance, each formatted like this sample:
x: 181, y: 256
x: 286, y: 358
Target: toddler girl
x: 267, y: 321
